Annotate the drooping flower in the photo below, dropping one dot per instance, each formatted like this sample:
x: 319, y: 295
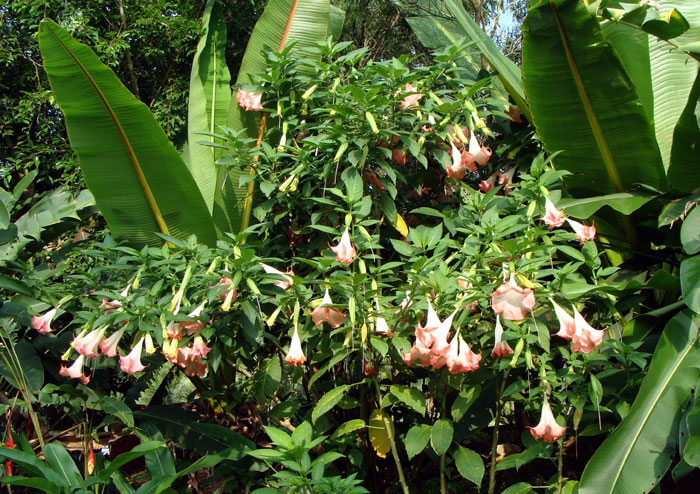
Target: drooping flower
x: 506, y: 179
x: 582, y: 232
x: 553, y: 217
x: 410, y: 100
x: 567, y: 324
x: 283, y: 284
x: 586, y: 337
x: 344, y: 251
x: 514, y: 113
x: 399, y: 156
x: 248, y: 100
x: 500, y: 348
x: 295, y: 356
x: 111, y: 305
x: 419, y: 352
x: 480, y: 154
x: 441, y: 334
x: 489, y: 183
x: 382, y: 327
x: 88, y: 344
x: 173, y: 331
x: 548, y: 429
x: 425, y: 333
x: 193, y: 327
x: 326, y: 314
x: 75, y: 371
x: 460, y: 358
x: 90, y: 459
x: 512, y: 301
x: 131, y: 364
x: 457, y: 169
x: 43, y: 323
x: 108, y: 346
x: 199, y: 348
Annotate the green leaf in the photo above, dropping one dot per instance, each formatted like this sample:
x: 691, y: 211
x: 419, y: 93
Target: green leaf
x: 4, y: 217
x: 690, y: 282
x: 690, y: 232
x: 303, y: 22
x: 417, y: 438
x: 353, y: 184
x: 638, y: 453
x: 691, y: 451
x: 59, y: 459
x: 209, y: 101
x: 566, y: 62
x: 114, y: 406
x: 464, y: 400
x: 349, y: 426
x: 124, y: 458
x: 683, y: 172
x: 409, y: 396
x: 519, y: 488
x: 441, y: 436
x: 30, y: 367
x: 508, y: 72
x: 139, y: 181
x: 336, y: 21
x: 33, y: 465
x: 469, y: 465
x: 328, y: 401
x: 36, y: 483
x: 267, y: 379
x: 624, y: 202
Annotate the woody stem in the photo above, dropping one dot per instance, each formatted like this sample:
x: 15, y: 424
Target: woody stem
x: 494, y: 440
x: 560, y: 467
x: 443, y: 480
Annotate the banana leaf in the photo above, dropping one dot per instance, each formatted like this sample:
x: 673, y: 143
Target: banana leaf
x: 138, y: 179
x: 638, y: 453
x: 584, y: 104
x: 336, y: 21
x: 303, y: 22
x: 210, y: 98
x: 684, y: 172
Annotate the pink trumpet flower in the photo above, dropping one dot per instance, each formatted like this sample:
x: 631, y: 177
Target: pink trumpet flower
x: 88, y: 344
x: 460, y: 358
x: 344, y: 251
x: 500, y: 348
x: 512, y: 301
x: 548, y: 429
x: 489, y: 183
x: 583, y: 233
x: 108, y: 346
x: 283, y: 284
x: 410, y: 100
x: 199, y: 348
x: 586, y: 337
x: 457, y: 170
x: 553, y: 217
x: 248, y: 100
x: 131, y: 364
x: 567, y: 324
x: 326, y: 314
x: 75, y: 371
x: 43, y: 323
x: 295, y: 356
x: 480, y: 154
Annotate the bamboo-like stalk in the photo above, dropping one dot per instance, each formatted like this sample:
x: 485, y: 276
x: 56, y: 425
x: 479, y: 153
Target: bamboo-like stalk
x: 248, y: 205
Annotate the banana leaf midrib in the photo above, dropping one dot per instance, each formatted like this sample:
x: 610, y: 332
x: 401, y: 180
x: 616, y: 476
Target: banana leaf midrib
x: 132, y: 156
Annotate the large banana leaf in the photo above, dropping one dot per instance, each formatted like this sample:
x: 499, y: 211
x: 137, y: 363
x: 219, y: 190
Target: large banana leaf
x: 210, y: 98
x: 138, y: 179
x: 336, y: 21
x: 638, y: 453
x: 584, y: 104
x: 303, y: 22
x: 508, y: 72
x: 684, y: 172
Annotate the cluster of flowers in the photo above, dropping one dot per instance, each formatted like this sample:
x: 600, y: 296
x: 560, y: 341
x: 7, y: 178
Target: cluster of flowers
x: 554, y: 218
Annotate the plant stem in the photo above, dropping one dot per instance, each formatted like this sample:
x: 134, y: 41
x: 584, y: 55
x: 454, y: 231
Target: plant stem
x: 392, y: 442
x: 560, y: 468
x: 443, y: 480
x: 494, y: 440
x: 248, y: 204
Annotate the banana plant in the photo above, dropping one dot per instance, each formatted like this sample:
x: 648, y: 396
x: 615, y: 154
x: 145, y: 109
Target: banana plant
x: 606, y: 84
x: 140, y: 182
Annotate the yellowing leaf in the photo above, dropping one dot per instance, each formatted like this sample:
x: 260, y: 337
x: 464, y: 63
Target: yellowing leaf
x: 378, y: 434
x: 400, y: 225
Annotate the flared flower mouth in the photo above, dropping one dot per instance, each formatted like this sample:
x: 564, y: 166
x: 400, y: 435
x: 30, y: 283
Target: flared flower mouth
x: 511, y: 301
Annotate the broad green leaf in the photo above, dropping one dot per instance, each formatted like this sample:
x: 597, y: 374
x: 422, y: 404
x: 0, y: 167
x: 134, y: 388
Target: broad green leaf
x: 124, y: 458
x: 672, y: 75
x: 4, y: 217
x: 36, y: 483
x: 303, y: 22
x: 349, y: 426
x: 469, y: 465
x: 463, y: 401
x: 353, y: 184
x: 690, y: 282
x: 684, y: 173
x: 690, y: 232
x: 209, y: 101
x: 267, y: 379
x: 638, y: 453
x: 328, y: 401
x: 33, y: 465
x: 62, y: 463
x: 566, y: 63
x: 441, y: 436
x: 409, y: 396
x: 139, y: 181
x: 417, y: 438
x: 439, y: 33
x: 336, y: 21
x: 624, y: 202
x: 30, y: 369
x: 279, y: 437
x: 519, y: 488
x: 508, y: 72
x: 689, y: 446
x: 114, y: 406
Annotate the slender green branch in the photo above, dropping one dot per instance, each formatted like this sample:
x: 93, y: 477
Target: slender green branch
x: 392, y: 442
x: 494, y: 438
